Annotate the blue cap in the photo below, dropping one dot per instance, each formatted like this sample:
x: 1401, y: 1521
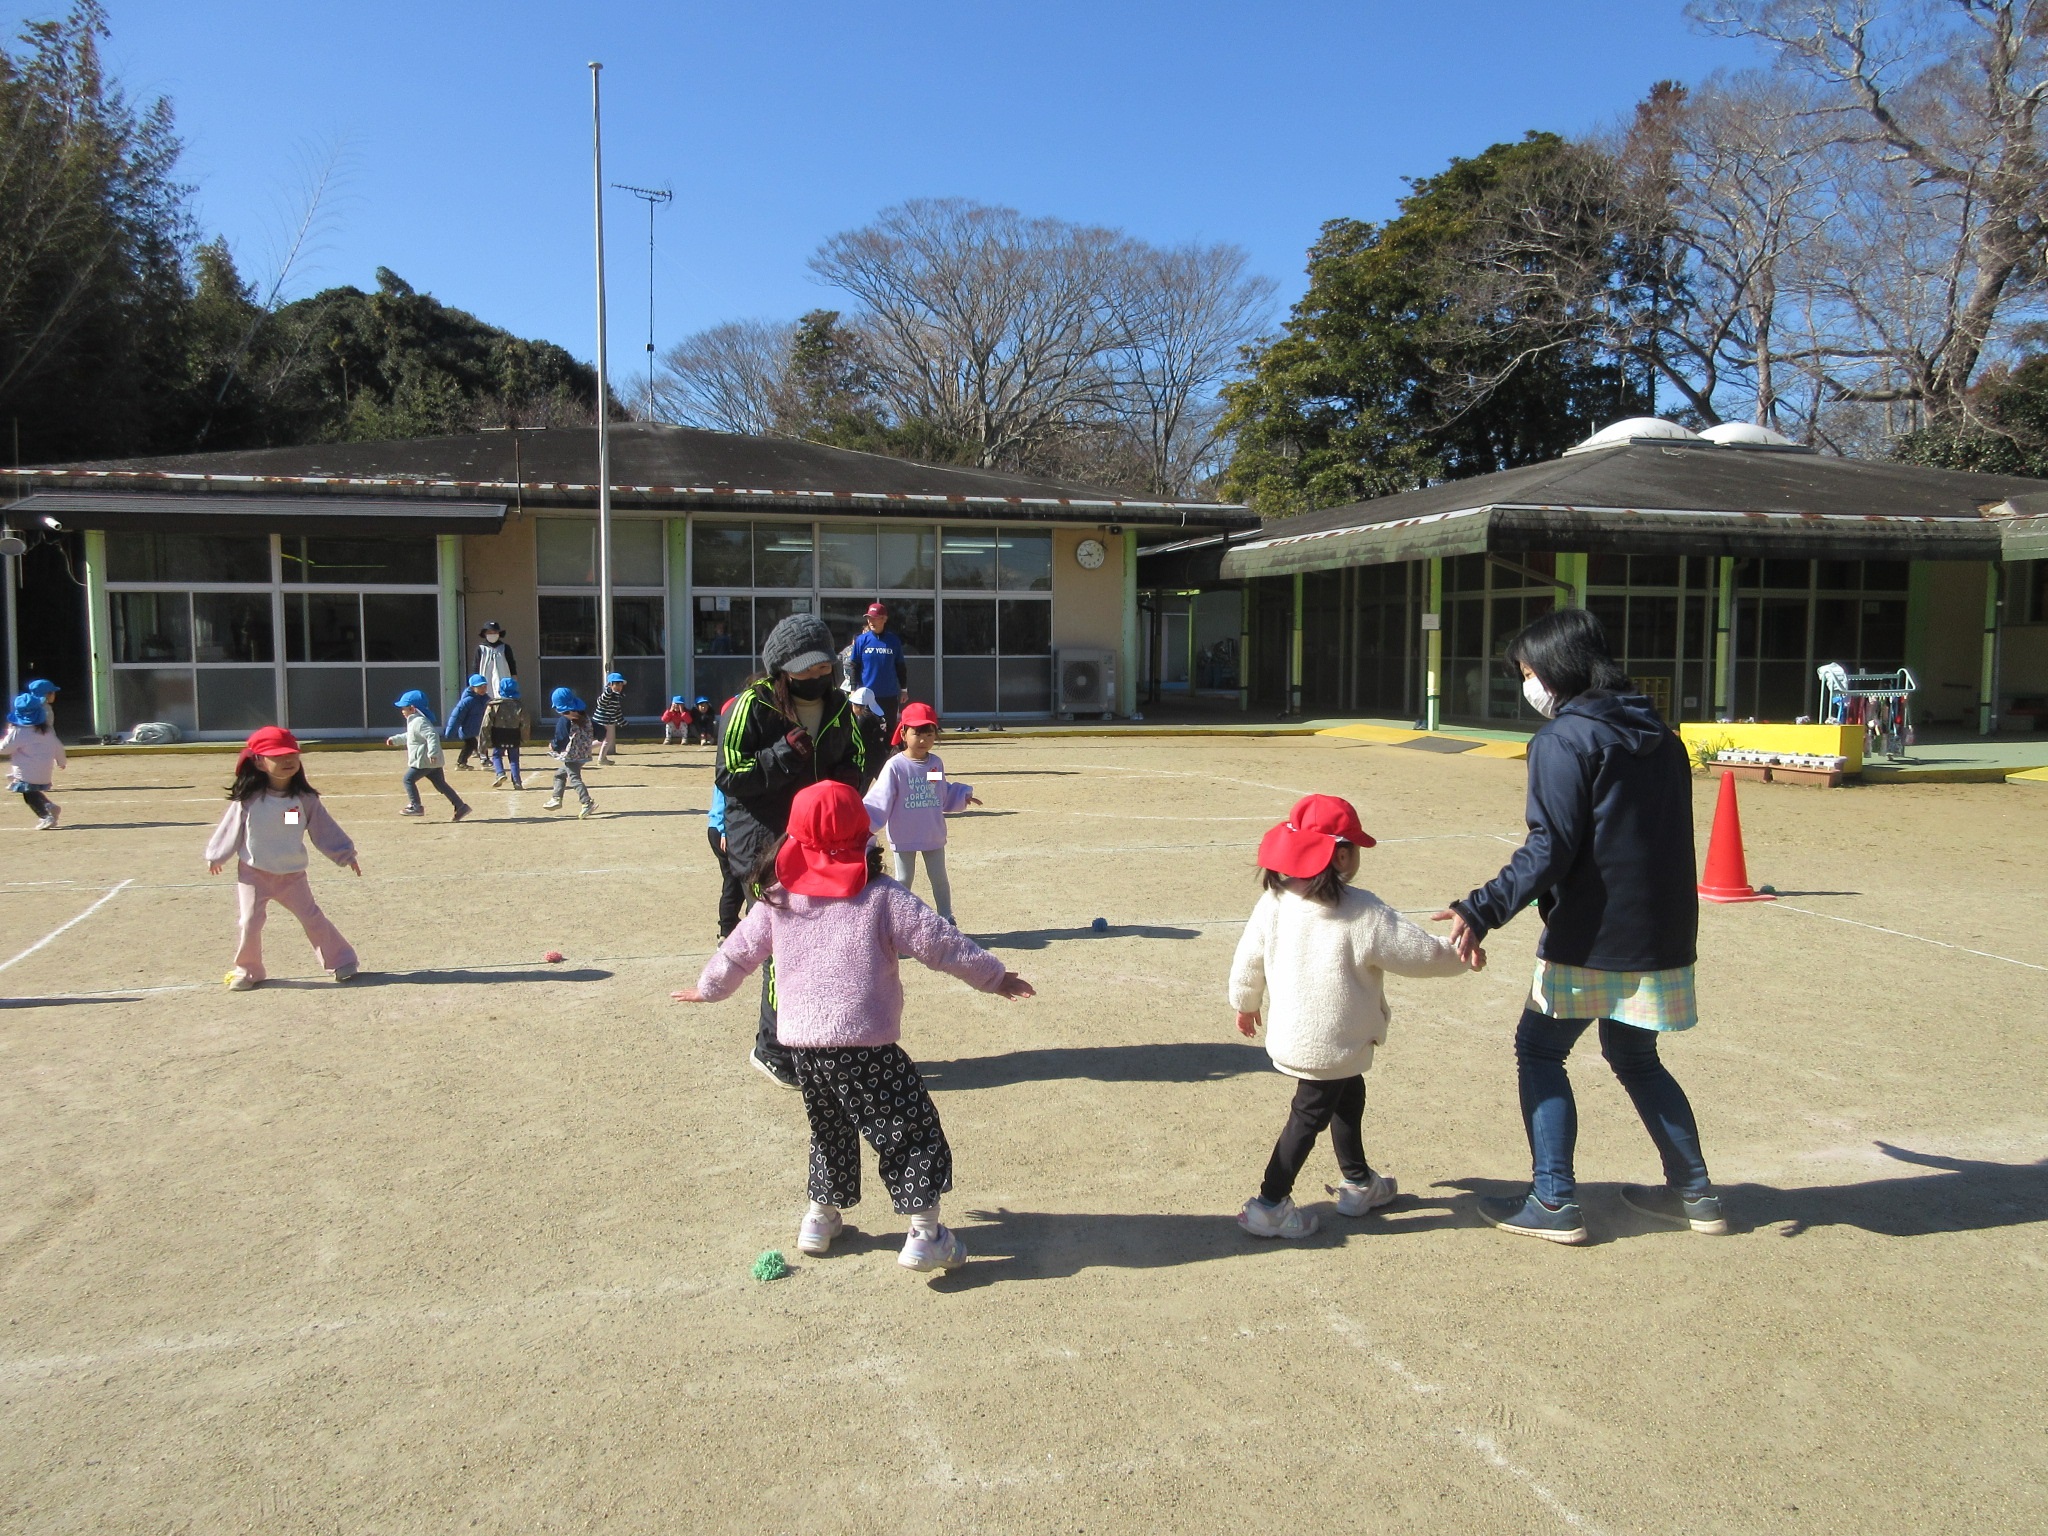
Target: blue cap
x: 615, y: 677
x: 412, y: 698
x: 42, y: 688
x: 28, y: 710
x: 509, y: 689
x: 565, y: 698
x: 478, y: 680
x: 702, y: 700
x: 677, y: 699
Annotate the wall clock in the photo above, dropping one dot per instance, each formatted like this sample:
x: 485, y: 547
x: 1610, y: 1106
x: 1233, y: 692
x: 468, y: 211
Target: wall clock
x: 1090, y: 554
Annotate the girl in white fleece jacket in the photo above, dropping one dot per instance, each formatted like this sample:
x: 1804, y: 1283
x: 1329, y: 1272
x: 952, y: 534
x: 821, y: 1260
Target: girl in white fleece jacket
x: 1311, y: 959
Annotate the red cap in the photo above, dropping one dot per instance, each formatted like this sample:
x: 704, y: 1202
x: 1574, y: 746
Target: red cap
x: 875, y: 608
x: 271, y: 741
x: 826, y: 853
x: 913, y: 714
x: 1302, y: 846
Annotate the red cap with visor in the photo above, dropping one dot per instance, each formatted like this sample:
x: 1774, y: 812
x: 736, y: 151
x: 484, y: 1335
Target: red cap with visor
x: 271, y: 741
x: 1302, y: 846
x: 826, y: 852
x: 913, y: 714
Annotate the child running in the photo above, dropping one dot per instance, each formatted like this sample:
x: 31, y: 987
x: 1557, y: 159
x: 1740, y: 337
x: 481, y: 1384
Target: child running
x: 675, y: 722
x: 835, y: 935
x: 423, y: 758
x: 34, y: 754
x: 570, y: 749
x: 609, y: 715
x: 912, y: 798
x: 504, y: 731
x: 271, y: 813
x: 1312, y: 957
x: 466, y: 720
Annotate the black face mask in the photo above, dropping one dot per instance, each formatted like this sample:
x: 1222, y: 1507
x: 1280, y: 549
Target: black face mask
x: 809, y: 688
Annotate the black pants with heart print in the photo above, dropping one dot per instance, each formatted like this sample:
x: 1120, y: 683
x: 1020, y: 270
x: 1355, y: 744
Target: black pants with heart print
x: 851, y: 1091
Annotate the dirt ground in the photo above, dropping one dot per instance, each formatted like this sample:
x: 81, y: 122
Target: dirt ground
x: 466, y: 1244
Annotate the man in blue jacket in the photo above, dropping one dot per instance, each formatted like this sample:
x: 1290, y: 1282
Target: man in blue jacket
x: 877, y: 662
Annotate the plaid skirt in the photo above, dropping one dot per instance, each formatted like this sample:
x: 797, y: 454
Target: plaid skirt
x: 1661, y: 1000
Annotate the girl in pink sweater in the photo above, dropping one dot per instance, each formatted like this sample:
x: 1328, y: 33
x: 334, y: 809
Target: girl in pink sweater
x: 835, y: 935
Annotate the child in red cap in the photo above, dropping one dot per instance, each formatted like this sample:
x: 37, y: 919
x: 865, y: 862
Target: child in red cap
x: 912, y: 798
x: 1311, y: 958
x: 271, y: 813
x: 835, y: 935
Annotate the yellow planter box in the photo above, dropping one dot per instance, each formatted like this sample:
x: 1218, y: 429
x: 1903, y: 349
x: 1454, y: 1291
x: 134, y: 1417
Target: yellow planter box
x: 1844, y: 741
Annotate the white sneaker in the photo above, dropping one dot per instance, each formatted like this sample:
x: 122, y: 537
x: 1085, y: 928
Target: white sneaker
x: 45, y: 823
x: 1282, y: 1220
x: 1362, y: 1199
x: 498, y: 782
x: 820, y: 1225
x: 925, y: 1254
x: 589, y: 810
x: 553, y: 805
x: 242, y: 981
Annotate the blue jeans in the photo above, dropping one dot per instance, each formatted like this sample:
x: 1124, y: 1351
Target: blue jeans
x: 438, y: 777
x: 1552, y: 1117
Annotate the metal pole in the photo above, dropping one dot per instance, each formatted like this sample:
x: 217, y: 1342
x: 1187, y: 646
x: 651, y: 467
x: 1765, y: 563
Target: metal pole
x: 604, y: 446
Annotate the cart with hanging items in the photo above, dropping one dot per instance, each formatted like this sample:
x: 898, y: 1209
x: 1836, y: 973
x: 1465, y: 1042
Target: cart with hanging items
x: 1877, y: 701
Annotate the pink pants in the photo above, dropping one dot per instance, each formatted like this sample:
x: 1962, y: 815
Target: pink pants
x: 257, y: 889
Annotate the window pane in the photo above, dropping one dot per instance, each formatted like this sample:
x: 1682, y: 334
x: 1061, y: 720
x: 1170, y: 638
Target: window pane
x: 1653, y: 570
x: 1026, y: 687
x: 1025, y: 561
x: 1785, y: 573
x: 1612, y: 612
x: 782, y: 554
x: 384, y: 685
x: 970, y: 687
x: 187, y: 557
x: 361, y: 562
x: 914, y: 619
x: 568, y: 626
x: 907, y: 558
x: 401, y: 627
x: 970, y: 628
x: 724, y: 626
x: 637, y: 554
x: 1838, y: 575
x: 846, y: 556
x: 230, y: 626
x: 1465, y: 573
x: 1834, y: 628
x: 1652, y: 628
x: 565, y: 551
x: 771, y: 611
x: 154, y: 694
x: 1884, y: 633
x: 237, y: 698
x: 151, y: 626
x: 721, y: 555
x: 1884, y: 575
x: 845, y: 617
x: 1463, y: 635
x: 1026, y: 627
x: 1783, y: 635
x: 322, y: 626
x: 1507, y: 621
x: 719, y: 678
x: 1607, y: 570
x: 639, y: 629
x: 324, y: 698
x: 968, y: 562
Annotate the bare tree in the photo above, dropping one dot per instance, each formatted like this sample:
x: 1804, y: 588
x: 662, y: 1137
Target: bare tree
x: 732, y: 378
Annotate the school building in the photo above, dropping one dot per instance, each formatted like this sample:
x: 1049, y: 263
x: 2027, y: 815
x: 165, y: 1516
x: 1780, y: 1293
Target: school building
x: 311, y: 586
x: 1727, y: 566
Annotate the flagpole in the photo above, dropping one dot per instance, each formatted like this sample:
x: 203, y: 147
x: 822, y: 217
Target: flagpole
x: 604, y: 453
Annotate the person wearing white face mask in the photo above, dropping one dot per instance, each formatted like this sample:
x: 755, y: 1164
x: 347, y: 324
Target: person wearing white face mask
x: 1609, y: 863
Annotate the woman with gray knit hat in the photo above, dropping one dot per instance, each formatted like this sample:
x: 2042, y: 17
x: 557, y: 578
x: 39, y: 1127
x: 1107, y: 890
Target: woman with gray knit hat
x: 786, y: 730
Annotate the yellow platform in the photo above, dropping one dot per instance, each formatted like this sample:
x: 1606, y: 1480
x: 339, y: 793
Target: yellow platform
x: 1819, y: 740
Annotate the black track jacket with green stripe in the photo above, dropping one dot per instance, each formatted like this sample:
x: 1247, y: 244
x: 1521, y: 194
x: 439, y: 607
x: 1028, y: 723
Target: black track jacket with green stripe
x: 761, y: 772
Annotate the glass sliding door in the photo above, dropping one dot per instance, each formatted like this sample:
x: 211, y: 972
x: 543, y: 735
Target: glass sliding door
x: 566, y: 555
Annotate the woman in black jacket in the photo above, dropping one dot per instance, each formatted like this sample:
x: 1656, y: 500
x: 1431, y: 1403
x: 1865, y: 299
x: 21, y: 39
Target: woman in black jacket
x: 783, y: 731
x: 1609, y: 863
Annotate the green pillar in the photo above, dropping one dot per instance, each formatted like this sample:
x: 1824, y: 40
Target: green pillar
x: 682, y: 616
x: 1987, y: 677
x: 454, y: 656
x: 1571, y: 576
x: 1433, y: 630
x: 99, y: 633
x: 1127, y: 671
x: 1294, y: 650
x: 1724, y: 640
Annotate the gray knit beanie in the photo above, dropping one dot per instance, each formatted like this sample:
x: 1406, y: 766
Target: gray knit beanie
x: 799, y: 642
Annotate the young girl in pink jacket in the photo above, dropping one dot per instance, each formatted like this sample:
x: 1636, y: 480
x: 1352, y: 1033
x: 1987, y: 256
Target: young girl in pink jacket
x: 835, y: 935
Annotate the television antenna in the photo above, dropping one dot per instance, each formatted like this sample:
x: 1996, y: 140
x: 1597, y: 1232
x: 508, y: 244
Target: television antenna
x: 653, y: 197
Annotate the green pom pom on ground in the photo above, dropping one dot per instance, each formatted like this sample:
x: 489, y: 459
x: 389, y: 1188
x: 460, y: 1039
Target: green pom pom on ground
x: 771, y: 1266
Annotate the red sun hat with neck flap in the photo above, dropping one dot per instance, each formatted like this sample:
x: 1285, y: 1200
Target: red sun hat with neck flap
x: 271, y: 741
x: 1302, y: 846
x: 826, y: 852
x: 913, y: 714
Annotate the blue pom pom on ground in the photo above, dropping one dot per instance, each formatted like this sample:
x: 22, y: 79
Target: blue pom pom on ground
x: 1100, y: 925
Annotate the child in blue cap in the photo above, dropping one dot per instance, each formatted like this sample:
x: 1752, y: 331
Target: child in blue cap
x: 504, y: 731
x: 674, y: 720
x: 422, y: 745
x: 703, y: 727
x: 33, y: 755
x: 570, y: 749
x: 466, y: 720
x: 609, y: 715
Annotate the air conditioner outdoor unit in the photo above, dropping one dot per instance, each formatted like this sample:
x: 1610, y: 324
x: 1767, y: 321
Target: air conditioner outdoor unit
x: 1087, y: 682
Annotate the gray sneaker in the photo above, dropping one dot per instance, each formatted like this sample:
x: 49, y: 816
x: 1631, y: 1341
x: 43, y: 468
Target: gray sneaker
x: 1526, y: 1216
x: 1661, y: 1202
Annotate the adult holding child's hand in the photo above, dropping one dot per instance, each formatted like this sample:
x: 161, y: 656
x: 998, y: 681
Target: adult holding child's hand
x: 1609, y: 863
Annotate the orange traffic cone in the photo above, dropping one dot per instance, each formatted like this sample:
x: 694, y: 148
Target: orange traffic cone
x: 1727, y: 873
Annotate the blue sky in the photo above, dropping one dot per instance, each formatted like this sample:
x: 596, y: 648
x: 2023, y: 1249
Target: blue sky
x: 464, y: 149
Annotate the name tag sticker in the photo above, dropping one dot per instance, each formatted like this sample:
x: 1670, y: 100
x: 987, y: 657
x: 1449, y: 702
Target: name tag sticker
x: 935, y: 775
x: 291, y: 816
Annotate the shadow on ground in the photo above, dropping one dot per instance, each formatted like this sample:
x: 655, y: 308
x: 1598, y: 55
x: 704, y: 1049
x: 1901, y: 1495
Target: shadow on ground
x: 1199, y: 1062
x: 455, y: 978
x: 58, y: 1002
x: 1042, y: 938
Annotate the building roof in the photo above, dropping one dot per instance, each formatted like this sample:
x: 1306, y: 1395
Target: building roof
x: 161, y: 511
x: 653, y: 468
x: 1653, y: 496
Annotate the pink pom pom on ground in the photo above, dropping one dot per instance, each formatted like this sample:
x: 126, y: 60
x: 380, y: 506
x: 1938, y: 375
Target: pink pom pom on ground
x: 553, y: 957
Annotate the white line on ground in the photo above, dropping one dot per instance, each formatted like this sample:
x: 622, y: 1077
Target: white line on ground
x: 1483, y: 1445
x: 1900, y: 933
x: 61, y: 927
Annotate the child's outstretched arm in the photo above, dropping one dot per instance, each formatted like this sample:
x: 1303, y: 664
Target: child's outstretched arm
x: 733, y: 962
x: 959, y: 797
x: 1401, y: 947
x: 920, y: 932
x: 1248, y: 967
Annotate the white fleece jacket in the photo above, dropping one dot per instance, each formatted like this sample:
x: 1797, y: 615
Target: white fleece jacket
x: 1316, y: 972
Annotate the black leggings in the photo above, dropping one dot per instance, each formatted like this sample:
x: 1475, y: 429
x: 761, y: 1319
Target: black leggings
x: 37, y: 802
x: 732, y: 890
x: 873, y: 1091
x: 1338, y: 1104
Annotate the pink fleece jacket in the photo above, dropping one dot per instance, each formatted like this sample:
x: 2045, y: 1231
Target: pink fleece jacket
x: 835, y: 962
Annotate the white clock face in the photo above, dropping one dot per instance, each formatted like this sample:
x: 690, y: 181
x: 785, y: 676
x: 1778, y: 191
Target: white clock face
x: 1090, y: 554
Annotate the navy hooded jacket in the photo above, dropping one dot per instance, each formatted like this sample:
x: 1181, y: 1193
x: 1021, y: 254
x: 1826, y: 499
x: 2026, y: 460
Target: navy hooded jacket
x: 1609, y: 856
